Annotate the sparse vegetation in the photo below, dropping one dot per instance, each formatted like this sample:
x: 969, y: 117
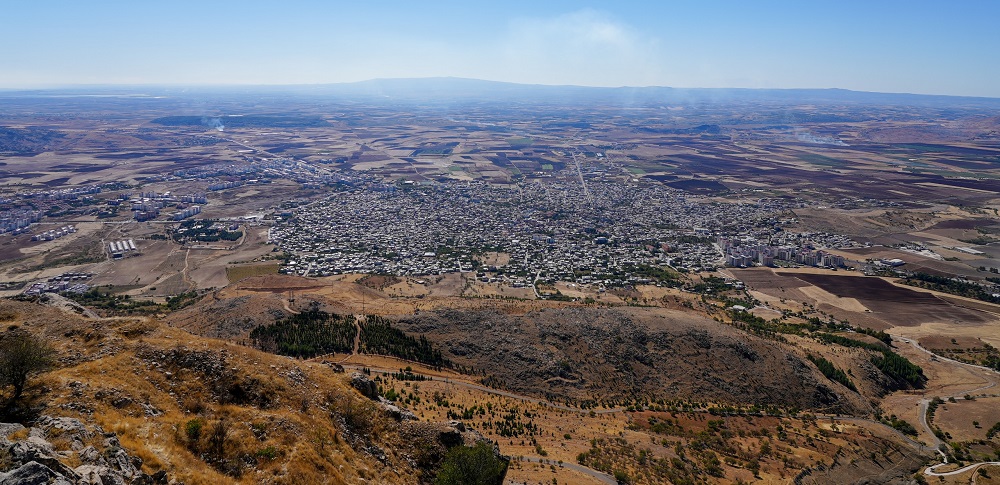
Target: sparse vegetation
x: 637, y: 343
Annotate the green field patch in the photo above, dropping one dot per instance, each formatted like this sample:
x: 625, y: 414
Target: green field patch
x: 821, y: 160
x: 547, y: 167
x: 922, y: 147
x: 636, y: 170
x: 438, y: 149
x: 520, y: 142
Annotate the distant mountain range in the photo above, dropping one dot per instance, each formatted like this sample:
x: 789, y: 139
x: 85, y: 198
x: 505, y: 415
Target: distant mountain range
x: 451, y: 88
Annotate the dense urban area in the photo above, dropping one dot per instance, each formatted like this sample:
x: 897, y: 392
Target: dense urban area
x: 610, y: 233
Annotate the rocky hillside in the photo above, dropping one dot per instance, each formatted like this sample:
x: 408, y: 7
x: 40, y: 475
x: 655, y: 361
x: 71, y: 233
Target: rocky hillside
x: 228, y: 318
x: 32, y: 457
x: 619, y: 354
x: 232, y: 312
x: 153, y: 401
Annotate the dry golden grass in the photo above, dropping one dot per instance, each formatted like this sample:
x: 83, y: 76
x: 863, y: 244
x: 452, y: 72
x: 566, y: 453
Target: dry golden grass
x: 138, y: 380
x: 958, y: 417
x: 285, y: 419
x: 563, y: 435
x: 18, y: 435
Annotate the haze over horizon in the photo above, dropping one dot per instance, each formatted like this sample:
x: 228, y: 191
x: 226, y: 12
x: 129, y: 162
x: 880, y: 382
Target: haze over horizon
x: 890, y: 47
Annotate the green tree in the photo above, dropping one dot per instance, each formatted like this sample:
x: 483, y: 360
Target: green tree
x: 21, y: 355
x: 472, y: 465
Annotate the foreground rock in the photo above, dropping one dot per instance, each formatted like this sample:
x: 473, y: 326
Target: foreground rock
x: 42, y: 453
x: 369, y: 389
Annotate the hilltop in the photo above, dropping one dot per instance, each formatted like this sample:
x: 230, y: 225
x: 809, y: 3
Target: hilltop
x: 615, y: 355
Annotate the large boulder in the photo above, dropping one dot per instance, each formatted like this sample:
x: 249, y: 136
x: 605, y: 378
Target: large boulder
x: 33, y: 473
x: 394, y: 411
x: 364, y: 385
x: 89, y: 475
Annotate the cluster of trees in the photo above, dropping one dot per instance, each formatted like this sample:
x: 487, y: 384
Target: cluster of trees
x: 829, y: 338
x: 899, y: 368
x: 656, y: 273
x: 103, y: 299
x: 992, y: 361
x: 951, y: 285
x: 181, y: 300
x: 378, y: 336
x: 884, y: 337
x: 769, y: 329
x: 222, y: 235
x: 408, y: 375
x: 307, y: 334
x: 711, y: 285
x: 202, y: 230
x: 993, y: 431
x: 893, y: 365
x: 832, y: 372
x: 315, y: 332
x: 511, y: 425
x: 900, y: 425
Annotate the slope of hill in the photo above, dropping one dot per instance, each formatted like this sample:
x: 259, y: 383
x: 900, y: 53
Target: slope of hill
x: 232, y: 312
x: 575, y: 354
x: 619, y: 355
x: 206, y: 411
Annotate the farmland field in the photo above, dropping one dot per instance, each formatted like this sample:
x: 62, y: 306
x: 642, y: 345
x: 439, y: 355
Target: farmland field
x: 236, y: 273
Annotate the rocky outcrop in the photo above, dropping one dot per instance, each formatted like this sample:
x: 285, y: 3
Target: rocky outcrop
x: 31, y: 456
x: 431, y: 442
x: 428, y: 442
x: 364, y: 385
x: 369, y: 389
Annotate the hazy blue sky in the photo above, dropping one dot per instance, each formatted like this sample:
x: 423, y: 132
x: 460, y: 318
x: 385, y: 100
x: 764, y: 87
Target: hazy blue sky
x: 891, y: 46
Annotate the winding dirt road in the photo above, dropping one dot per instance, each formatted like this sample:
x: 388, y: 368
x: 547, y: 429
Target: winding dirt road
x: 989, y: 375
x: 603, y: 477
x: 930, y: 470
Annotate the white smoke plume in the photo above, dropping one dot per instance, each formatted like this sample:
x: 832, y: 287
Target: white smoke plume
x: 806, y: 137
x: 214, y: 123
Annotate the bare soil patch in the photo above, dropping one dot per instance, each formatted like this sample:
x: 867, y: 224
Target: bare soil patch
x: 899, y: 305
x: 959, y: 418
